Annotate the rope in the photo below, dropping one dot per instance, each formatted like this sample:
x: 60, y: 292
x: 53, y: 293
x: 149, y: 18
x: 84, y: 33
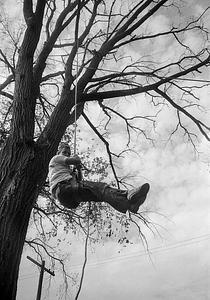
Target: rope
x: 86, y: 252
x: 75, y: 112
x: 76, y: 79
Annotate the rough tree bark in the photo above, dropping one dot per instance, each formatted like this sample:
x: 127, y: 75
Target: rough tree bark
x: 23, y: 162
x: 23, y: 168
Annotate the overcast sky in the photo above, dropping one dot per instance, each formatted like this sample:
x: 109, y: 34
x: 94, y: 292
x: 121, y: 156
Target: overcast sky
x: 178, y: 266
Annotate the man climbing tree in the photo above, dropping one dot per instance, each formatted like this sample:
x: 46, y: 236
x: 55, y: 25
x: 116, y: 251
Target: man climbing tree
x: 98, y: 52
x: 71, y: 191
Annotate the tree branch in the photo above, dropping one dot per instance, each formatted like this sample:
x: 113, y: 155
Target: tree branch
x: 106, y: 145
x: 28, y: 10
x: 9, y: 79
x: 201, y: 126
x: 143, y: 89
x: 22, y: 127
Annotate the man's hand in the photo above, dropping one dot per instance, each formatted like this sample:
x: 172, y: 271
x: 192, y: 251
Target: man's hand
x: 76, y: 159
x: 73, y: 160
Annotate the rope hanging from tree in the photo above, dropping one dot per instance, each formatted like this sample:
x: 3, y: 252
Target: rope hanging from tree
x: 79, y: 172
x: 78, y: 169
x: 76, y: 76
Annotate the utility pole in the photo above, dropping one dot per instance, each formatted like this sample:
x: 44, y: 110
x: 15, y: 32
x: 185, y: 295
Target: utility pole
x: 42, y: 270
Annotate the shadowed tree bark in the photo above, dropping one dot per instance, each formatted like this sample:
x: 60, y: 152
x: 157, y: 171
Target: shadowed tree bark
x: 74, y: 45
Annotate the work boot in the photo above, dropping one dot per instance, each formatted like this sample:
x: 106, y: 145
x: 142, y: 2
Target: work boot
x: 137, y: 196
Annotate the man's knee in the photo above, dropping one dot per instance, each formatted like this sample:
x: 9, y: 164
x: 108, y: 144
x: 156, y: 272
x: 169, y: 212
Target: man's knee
x: 67, y: 196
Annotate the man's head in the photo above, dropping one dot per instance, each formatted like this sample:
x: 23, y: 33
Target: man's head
x: 64, y: 149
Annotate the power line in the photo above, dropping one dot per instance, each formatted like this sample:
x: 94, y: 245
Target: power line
x: 27, y: 276
x: 157, y: 249
x: 154, y: 250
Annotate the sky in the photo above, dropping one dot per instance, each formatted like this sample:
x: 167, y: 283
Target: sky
x: 177, y: 264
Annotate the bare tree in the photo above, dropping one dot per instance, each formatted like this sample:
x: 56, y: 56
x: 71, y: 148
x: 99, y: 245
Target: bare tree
x: 69, y: 49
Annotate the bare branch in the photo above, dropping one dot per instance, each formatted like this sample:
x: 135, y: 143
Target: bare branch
x: 49, y: 44
x: 9, y: 79
x: 146, y: 88
x: 106, y: 145
x: 7, y: 95
x: 69, y: 63
x: 127, y: 121
x: 201, y: 126
x: 49, y: 19
x: 7, y: 63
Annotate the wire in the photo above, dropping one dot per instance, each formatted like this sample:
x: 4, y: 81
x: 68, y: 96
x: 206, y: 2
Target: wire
x: 154, y: 250
x: 183, y: 243
x: 27, y: 276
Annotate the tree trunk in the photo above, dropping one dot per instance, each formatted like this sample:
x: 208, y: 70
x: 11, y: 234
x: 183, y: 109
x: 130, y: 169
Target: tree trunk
x: 24, y: 170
